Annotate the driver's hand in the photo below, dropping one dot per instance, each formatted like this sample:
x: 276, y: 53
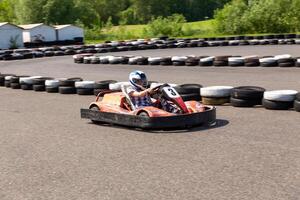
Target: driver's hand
x: 150, y: 90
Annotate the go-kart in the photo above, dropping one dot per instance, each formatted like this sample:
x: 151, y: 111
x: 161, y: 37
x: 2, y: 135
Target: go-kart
x: 117, y: 108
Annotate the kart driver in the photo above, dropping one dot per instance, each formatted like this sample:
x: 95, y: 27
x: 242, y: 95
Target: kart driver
x: 140, y: 95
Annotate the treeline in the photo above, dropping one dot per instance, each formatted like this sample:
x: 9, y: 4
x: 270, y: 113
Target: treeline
x: 92, y: 13
x: 259, y: 16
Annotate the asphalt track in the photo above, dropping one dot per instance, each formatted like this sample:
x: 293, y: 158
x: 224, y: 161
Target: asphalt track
x: 48, y: 152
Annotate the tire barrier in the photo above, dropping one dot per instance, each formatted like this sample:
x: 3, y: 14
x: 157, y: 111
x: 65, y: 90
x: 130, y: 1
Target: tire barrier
x: 283, y: 61
x: 243, y: 96
x: 144, y: 44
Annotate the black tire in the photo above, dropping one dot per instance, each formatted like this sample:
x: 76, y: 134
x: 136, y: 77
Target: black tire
x: 154, y: 63
x: 39, y: 88
x: 277, y: 105
x: 191, y: 85
x: 222, y: 58
x: 191, y: 63
x: 248, y: 93
x: 252, y: 64
x: 178, y: 63
x: 297, y: 105
x: 66, y: 83
x: 16, y: 79
x: 69, y: 82
x: 41, y: 81
x: 244, y: 103
x: 236, y: 64
x: 7, y: 84
x: 15, y: 86
x: 188, y: 89
x: 165, y: 63
x: 220, y: 63
x: 206, y: 64
x: 103, y: 84
x: 298, y: 96
x: 286, y: 60
x: 190, y: 97
x: 269, y: 64
x: 288, y: 64
x: 52, y: 89
x: 85, y: 91
x: 67, y: 90
x: 97, y: 91
x: 27, y: 87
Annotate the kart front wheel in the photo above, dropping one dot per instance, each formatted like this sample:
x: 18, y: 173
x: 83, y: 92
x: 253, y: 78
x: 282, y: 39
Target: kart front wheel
x: 143, y: 114
x: 95, y: 108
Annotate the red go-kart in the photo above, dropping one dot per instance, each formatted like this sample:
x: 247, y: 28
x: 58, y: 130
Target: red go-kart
x: 117, y: 108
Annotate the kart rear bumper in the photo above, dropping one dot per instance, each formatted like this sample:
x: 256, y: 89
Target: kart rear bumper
x: 207, y: 117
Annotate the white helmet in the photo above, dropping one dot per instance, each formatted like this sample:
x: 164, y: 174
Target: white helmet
x: 138, y: 79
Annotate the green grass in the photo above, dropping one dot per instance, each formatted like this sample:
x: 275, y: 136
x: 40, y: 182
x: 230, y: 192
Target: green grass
x: 200, y: 29
x: 191, y: 29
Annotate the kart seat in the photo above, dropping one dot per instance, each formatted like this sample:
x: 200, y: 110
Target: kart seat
x: 128, y: 101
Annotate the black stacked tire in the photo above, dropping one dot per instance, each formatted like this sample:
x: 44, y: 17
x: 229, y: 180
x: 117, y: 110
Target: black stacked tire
x: 39, y: 84
x: 246, y: 96
x: 2, y: 79
x: 221, y: 61
x: 68, y: 86
x: 297, y: 103
x: 189, y: 92
x: 85, y: 91
x: 102, y: 86
x: 286, y: 62
x: 192, y: 61
x: 277, y: 105
x: 252, y: 62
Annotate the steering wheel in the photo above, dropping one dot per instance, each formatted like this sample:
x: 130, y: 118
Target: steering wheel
x: 157, y: 89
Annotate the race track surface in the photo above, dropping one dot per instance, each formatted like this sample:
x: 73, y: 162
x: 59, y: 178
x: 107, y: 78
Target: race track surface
x: 48, y: 152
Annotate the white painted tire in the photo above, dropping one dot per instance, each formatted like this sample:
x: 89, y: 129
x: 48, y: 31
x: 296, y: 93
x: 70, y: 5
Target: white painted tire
x: 282, y: 56
x: 267, y: 60
x: 179, y: 58
x: 208, y: 59
x: 87, y: 58
x: 233, y: 42
x: 7, y: 78
x: 134, y: 59
x: 85, y: 84
x: 113, y: 59
x: 216, y: 91
x: 52, y: 83
x: 236, y: 59
x: 280, y: 95
x: 153, y: 85
x: 28, y: 80
x: 154, y: 59
x: 117, y: 86
x: 104, y: 58
x: 252, y: 56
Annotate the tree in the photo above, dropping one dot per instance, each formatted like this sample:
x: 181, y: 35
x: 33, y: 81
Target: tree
x: 29, y: 11
x: 59, y: 12
x: 7, y: 10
